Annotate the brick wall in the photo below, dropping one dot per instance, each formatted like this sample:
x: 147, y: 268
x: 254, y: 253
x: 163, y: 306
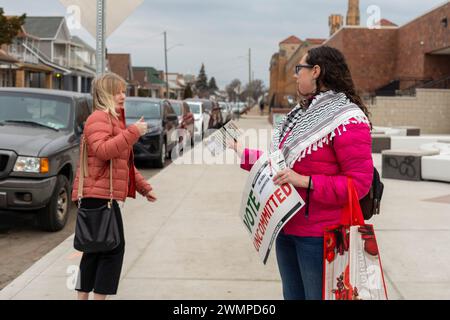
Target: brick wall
x: 417, y: 40
x: 370, y: 54
x: 428, y: 110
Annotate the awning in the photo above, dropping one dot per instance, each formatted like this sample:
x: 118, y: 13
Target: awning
x: 34, y: 67
x: 83, y: 72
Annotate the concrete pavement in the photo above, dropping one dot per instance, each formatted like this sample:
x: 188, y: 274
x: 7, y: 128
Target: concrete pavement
x: 192, y: 245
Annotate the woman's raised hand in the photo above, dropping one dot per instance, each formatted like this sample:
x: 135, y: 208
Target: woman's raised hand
x: 142, y: 126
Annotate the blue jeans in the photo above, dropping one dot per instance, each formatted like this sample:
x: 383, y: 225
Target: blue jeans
x: 300, y: 261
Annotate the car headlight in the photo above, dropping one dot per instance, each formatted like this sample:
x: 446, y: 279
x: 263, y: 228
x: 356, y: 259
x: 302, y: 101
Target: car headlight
x: 32, y: 165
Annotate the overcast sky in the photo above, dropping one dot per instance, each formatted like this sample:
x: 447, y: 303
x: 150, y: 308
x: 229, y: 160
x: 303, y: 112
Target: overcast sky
x: 219, y: 33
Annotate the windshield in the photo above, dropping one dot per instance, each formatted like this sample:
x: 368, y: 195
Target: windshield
x: 148, y: 110
x: 53, y: 112
x: 177, y: 108
x: 195, y: 108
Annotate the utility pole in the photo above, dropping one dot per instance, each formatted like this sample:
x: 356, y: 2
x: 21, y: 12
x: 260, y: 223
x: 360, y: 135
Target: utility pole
x: 100, y: 39
x: 249, y: 75
x: 165, y: 58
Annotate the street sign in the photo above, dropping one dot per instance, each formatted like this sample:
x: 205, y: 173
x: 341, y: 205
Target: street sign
x: 117, y: 11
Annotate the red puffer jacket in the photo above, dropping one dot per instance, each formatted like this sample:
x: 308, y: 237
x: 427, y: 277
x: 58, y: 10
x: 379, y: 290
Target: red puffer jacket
x: 110, y: 139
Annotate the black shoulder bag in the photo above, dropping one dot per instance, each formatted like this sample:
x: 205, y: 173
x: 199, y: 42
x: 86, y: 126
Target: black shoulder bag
x: 96, y: 229
x: 370, y: 204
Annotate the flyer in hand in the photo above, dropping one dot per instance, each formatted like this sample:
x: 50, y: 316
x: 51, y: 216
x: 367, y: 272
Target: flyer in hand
x: 217, y: 142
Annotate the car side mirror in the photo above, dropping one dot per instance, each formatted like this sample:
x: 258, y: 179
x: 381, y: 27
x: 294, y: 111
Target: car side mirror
x: 80, y: 128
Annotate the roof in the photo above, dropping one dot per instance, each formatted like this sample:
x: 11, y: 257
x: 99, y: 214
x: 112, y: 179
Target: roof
x: 4, y: 57
x: 79, y: 41
x: 60, y: 93
x: 43, y: 27
x: 315, y: 41
x: 387, y: 23
x: 152, y: 75
x: 291, y: 40
x: 120, y: 64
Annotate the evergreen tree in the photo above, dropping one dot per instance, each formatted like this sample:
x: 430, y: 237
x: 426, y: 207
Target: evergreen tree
x: 212, y: 85
x: 202, y: 83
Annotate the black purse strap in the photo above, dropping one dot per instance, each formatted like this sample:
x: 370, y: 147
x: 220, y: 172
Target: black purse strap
x: 307, y: 198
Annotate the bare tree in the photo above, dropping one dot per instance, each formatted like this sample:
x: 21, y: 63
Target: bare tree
x: 232, y: 88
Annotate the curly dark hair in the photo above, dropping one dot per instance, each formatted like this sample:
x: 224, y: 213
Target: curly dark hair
x: 335, y: 74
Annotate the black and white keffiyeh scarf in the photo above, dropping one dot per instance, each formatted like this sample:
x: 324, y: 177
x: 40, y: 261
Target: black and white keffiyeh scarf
x: 309, y: 129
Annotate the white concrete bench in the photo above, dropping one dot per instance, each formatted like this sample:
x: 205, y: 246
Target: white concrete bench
x: 436, y: 167
x: 442, y: 148
x: 444, y: 140
x: 398, y: 142
x: 390, y: 131
x: 409, y: 130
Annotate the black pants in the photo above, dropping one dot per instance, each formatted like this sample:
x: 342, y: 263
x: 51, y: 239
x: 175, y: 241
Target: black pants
x: 100, y: 271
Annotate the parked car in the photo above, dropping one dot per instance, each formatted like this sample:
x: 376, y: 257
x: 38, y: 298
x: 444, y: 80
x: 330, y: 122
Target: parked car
x: 40, y: 133
x: 242, y: 107
x: 157, y: 144
x: 201, y: 116
x: 227, y: 113
x: 185, y: 117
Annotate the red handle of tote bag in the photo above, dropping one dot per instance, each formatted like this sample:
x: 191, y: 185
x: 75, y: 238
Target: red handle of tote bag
x: 352, y: 213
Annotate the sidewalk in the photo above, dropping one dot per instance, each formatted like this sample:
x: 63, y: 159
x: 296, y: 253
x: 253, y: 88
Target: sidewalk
x: 191, y: 243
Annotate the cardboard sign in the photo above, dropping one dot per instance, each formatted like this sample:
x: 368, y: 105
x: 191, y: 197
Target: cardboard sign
x: 265, y: 207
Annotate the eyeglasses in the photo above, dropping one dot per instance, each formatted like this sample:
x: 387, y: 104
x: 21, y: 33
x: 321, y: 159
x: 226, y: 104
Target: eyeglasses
x: 300, y: 66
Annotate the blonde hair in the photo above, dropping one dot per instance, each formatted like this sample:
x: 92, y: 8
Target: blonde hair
x: 104, y: 88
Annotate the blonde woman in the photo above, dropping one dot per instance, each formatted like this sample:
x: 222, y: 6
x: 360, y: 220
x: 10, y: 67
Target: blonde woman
x: 108, y: 138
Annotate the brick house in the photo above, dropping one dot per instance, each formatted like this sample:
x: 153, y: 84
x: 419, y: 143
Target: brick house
x: 390, y: 58
x: 385, y: 60
x: 282, y: 69
x: 120, y: 63
x: 150, y: 85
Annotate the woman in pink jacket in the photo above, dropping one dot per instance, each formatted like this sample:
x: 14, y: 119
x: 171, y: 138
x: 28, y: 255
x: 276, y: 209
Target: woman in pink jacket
x: 108, y: 139
x: 325, y: 139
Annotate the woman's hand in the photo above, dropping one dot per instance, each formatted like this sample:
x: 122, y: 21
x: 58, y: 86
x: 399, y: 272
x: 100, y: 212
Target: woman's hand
x: 151, y: 197
x: 142, y: 126
x: 292, y: 177
x: 236, y: 146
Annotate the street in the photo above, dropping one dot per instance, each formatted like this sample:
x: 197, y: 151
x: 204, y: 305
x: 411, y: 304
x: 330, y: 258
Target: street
x: 22, y: 243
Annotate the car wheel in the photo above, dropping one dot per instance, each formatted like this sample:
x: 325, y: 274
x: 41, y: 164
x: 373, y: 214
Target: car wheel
x: 162, y: 156
x: 54, y: 216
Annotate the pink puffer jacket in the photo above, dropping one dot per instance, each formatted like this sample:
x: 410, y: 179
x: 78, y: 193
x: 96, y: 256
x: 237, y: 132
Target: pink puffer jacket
x: 110, y: 140
x: 349, y: 155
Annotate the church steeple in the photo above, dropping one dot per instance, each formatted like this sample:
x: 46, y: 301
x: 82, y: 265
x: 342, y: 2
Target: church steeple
x: 353, y: 15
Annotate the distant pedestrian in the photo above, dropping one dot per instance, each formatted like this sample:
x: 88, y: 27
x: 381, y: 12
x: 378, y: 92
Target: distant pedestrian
x: 261, y: 106
x: 108, y: 139
x: 324, y: 142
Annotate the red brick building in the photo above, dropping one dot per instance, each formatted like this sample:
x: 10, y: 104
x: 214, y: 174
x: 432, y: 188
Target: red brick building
x: 390, y: 58
x: 385, y: 60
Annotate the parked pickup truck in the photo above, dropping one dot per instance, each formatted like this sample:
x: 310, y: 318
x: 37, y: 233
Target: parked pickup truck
x: 40, y: 133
